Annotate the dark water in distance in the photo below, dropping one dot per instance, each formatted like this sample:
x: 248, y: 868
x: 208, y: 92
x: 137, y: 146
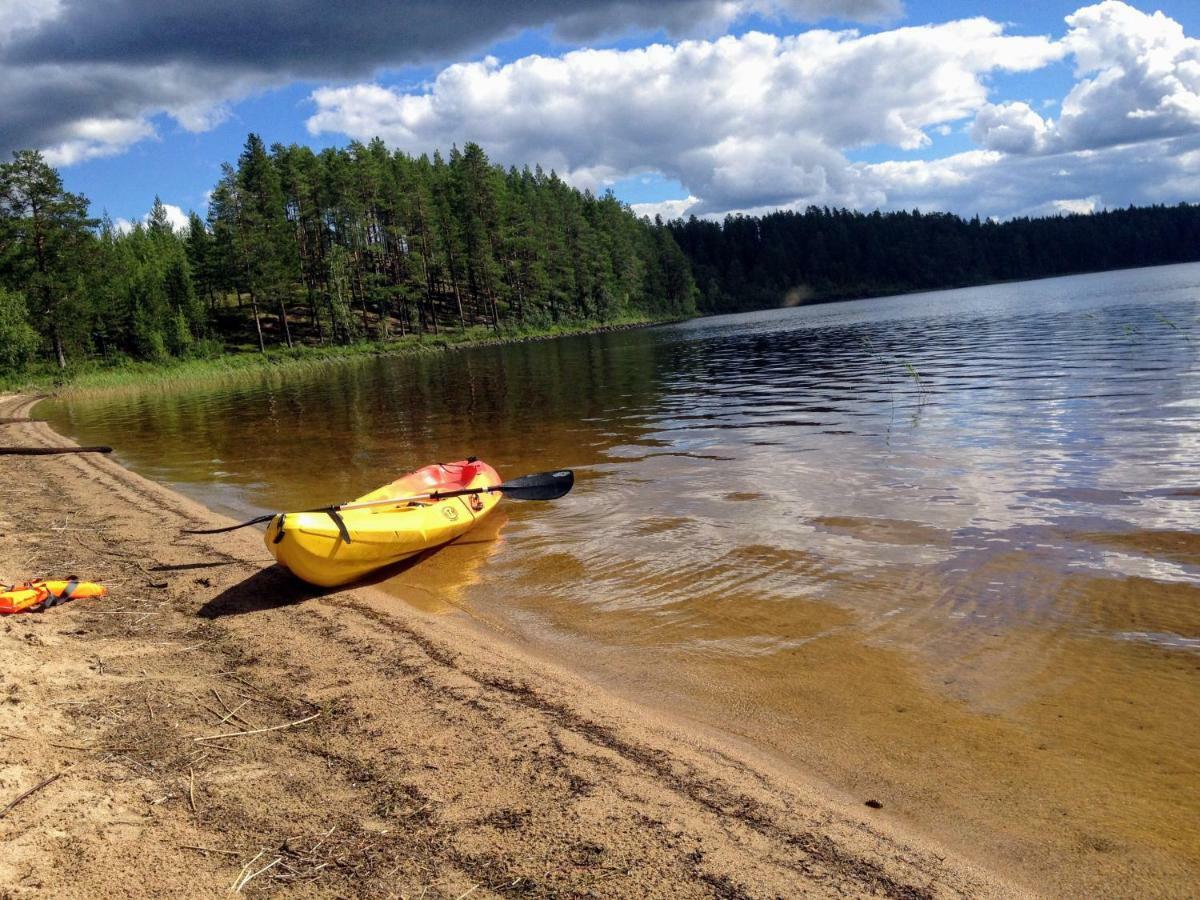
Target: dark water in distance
x: 979, y: 506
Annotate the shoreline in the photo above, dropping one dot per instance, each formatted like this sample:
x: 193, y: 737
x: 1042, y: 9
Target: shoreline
x: 141, y: 376
x: 417, y: 752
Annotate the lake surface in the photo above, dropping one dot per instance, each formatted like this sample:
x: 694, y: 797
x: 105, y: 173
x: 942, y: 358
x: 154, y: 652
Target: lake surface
x: 942, y: 549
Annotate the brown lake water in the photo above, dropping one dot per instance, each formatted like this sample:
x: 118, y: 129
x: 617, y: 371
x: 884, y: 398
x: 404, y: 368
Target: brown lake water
x: 942, y: 550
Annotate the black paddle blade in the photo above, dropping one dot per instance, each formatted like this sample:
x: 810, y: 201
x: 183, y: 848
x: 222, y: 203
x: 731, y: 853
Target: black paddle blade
x: 543, y: 486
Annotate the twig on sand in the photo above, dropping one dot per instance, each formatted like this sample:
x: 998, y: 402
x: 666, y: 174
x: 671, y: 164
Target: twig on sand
x: 237, y: 882
x: 237, y: 677
x: 229, y: 734
x: 192, y: 788
x: 224, y: 747
x: 324, y: 838
x: 209, y: 850
x: 466, y: 894
x: 245, y: 876
x: 231, y: 713
x: 33, y: 790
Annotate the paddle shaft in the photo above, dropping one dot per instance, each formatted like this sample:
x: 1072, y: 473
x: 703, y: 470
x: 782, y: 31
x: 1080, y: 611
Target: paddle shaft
x: 333, y: 511
x: 396, y: 501
x: 543, y: 486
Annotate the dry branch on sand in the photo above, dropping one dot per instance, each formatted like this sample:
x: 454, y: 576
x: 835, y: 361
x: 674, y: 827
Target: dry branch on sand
x: 33, y: 790
x: 229, y: 734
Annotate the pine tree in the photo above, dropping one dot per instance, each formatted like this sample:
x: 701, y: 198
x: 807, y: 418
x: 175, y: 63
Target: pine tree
x: 267, y: 249
x: 45, y: 237
x: 158, y: 223
x: 198, y: 246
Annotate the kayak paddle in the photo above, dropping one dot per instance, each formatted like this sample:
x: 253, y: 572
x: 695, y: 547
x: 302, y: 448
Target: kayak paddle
x: 542, y: 486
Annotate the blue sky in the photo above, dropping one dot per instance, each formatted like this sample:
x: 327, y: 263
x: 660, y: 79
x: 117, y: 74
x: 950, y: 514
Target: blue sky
x: 865, y: 126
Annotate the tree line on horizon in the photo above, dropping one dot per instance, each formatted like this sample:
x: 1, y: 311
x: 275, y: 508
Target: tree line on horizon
x: 755, y: 262
x: 354, y: 243
x: 323, y: 248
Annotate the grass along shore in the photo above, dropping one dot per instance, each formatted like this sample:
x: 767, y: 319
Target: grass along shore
x: 105, y: 376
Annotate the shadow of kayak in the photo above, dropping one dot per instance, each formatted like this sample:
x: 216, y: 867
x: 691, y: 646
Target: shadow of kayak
x: 274, y: 587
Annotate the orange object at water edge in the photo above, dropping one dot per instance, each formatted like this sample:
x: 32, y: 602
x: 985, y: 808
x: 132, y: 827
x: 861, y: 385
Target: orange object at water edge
x: 39, y: 594
x: 317, y: 548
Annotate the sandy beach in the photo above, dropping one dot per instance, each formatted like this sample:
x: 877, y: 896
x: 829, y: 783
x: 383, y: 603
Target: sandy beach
x: 214, y: 726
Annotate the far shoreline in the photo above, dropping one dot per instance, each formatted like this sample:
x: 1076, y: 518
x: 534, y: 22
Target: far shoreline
x: 137, y: 376
x: 133, y: 376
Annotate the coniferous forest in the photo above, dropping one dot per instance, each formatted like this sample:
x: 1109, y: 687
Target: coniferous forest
x: 750, y: 262
x: 301, y: 248
x: 326, y: 248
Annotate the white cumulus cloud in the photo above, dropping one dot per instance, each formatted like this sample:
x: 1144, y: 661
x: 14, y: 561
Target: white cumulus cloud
x: 176, y: 218
x: 1139, y: 80
x: 88, y: 138
x: 1009, y: 127
x: 757, y: 122
x: 741, y: 121
x: 668, y: 209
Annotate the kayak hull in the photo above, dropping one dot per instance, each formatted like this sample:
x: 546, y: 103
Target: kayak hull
x: 312, y: 547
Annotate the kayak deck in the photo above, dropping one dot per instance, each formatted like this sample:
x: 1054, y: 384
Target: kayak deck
x: 312, y: 547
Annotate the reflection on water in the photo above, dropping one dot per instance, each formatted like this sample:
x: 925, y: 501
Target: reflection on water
x: 951, y: 539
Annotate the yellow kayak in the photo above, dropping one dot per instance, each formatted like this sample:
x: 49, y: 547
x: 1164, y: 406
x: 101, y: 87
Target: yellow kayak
x: 329, y: 550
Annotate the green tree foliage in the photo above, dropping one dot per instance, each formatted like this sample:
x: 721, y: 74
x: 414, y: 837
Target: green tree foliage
x: 753, y: 262
x: 45, y: 239
x: 18, y: 341
x: 331, y: 247
x: 363, y: 242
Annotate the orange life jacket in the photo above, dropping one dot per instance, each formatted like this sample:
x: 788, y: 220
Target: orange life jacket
x: 40, y: 594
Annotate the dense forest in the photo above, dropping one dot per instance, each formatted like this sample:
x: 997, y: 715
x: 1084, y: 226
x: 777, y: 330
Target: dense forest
x: 362, y: 243
x: 323, y: 248
x: 785, y: 257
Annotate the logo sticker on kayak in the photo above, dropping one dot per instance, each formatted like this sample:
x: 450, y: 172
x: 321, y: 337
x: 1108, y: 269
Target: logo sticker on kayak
x: 450, y: 513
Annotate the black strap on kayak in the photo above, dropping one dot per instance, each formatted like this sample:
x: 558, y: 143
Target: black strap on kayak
x: 330, y: 511
x: 341, y: 525
x: 280, y: 533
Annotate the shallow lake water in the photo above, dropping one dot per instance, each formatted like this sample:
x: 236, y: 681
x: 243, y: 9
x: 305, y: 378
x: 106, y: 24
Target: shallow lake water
x: 943, y: 549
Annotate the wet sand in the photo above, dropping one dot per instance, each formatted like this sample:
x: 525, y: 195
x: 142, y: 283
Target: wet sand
x: 393, y: 753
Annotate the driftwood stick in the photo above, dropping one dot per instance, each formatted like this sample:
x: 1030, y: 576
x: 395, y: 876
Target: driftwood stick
x: 229, y: 734
x: 50, y: 451
x: 209, y: 850
x: 95, y: 749
x: 33, y: 790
